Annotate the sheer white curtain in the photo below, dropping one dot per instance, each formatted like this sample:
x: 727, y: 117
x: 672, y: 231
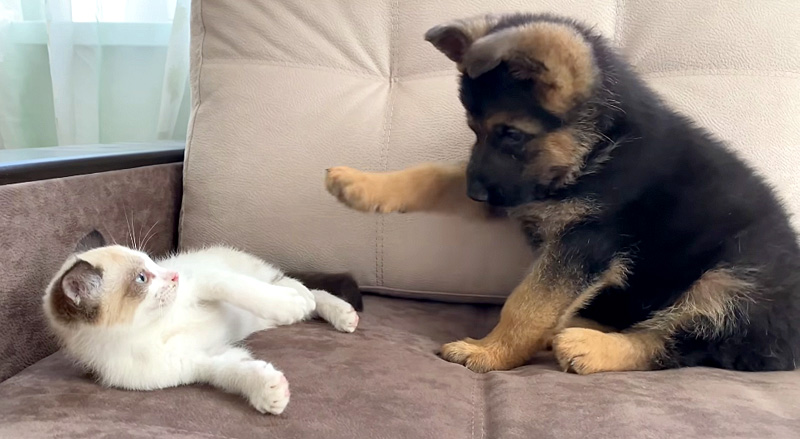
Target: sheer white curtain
x: 93, y: 71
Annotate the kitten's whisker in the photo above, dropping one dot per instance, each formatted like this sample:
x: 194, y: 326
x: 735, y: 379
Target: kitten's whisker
x: 139, y: 246
x: 148, y: 236
x: 113, y: 239
x: 130, y: 227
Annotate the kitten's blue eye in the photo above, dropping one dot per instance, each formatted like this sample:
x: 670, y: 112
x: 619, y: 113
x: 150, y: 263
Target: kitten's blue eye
x: 141, y: 278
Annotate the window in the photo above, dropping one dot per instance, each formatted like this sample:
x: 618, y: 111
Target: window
x: 77, y: 72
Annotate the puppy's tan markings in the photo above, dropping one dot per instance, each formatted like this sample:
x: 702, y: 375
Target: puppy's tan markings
x: 549, y: 219
x: 707, y: 306
x: 578, y: 322
x: 582, y: 322
x: 705, y: 309
x: 526, y: 320
x: 523, y: 123
x: 585, y: 351
x: 615, y: 276
x: 560, y: 157
x: 555, y: 56
x: 427, y: 187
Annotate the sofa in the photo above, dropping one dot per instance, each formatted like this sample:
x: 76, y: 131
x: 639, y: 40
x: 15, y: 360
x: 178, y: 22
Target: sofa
x: 282, y: 90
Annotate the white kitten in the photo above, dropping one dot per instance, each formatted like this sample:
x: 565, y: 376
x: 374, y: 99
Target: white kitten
x: 144, y: 325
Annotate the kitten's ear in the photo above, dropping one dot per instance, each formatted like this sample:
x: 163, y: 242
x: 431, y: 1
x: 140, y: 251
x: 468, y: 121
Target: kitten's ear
x: 93, y: 239
x: 81, y: 282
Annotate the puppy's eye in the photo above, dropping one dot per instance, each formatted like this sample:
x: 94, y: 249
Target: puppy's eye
x: 141, y: 278
x: 512, y: 135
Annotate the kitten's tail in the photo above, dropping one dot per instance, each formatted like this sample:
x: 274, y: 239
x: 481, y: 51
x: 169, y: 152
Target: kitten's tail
x: 339, y: 284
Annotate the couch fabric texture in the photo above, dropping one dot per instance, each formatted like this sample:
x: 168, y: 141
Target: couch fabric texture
x: 285, y: 89
x: 383, y: 382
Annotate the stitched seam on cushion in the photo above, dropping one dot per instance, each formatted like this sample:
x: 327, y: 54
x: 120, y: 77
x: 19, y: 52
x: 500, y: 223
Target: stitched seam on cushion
x: 478, y: 407
x: 445, y: 73
x: 354, y: 73
x: 472, y: 403
x: 357, y: 73
x: 160, y: 427
x: 384, y: 157
x: 723, y: 72
x: 617, y: 22
x: 483, y: 381
x: 196, y: 108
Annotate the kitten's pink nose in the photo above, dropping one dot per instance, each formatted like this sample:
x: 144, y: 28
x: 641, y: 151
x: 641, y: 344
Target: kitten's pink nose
x: 173, y: 276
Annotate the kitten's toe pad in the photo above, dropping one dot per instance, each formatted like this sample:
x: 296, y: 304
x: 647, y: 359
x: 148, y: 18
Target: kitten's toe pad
x: 270, y: 393
x: 341, y: 315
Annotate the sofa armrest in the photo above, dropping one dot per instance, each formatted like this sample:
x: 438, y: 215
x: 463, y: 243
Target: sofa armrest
x: 116, y: 191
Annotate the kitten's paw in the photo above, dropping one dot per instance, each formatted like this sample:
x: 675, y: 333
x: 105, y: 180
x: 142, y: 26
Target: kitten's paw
x: 340, y: 314
x: 270, y: 392
x: 345, y: 321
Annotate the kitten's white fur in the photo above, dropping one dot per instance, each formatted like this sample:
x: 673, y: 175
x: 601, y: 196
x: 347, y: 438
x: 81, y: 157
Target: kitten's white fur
x: 184, y: 330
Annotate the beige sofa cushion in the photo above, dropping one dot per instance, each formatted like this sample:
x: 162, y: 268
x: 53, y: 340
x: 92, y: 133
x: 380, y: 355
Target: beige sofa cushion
x: 285, y: 89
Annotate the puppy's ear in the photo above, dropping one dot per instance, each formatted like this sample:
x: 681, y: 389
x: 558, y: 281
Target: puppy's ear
x: 92, y: 240
x: 555, y: 56
x: 454, y: 38
x: 488, y: 52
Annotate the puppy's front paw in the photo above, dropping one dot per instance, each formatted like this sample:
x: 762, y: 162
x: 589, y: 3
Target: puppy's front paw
x: 270, y: 389
x: 362, y: 191
x: 476, y: 357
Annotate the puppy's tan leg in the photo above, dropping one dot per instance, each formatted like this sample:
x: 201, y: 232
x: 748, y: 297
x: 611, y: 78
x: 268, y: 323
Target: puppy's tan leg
x: 585, y: 351
x: 527, y: 318
x: 427, y: 187
x: 705, y: 310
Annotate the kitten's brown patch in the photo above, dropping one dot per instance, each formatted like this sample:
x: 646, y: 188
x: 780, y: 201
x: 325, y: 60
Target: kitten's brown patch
x: 110, y: 272
x: 121, y: 296
x: 64, y: 308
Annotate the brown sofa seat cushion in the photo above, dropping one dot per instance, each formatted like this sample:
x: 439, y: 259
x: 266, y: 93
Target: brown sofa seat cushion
x: 384, y: 381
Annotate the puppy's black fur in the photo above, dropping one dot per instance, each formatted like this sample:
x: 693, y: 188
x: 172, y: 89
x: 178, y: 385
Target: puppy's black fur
x: 670, y: 196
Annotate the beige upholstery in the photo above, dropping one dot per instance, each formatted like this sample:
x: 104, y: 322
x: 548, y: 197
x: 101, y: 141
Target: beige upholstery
x: 285, y: 89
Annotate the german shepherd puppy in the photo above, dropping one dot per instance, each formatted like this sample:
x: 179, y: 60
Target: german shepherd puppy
x: 658, y: 246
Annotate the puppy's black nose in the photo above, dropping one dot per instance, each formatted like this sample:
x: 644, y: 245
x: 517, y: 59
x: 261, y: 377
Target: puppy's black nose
x: 477, y: 191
